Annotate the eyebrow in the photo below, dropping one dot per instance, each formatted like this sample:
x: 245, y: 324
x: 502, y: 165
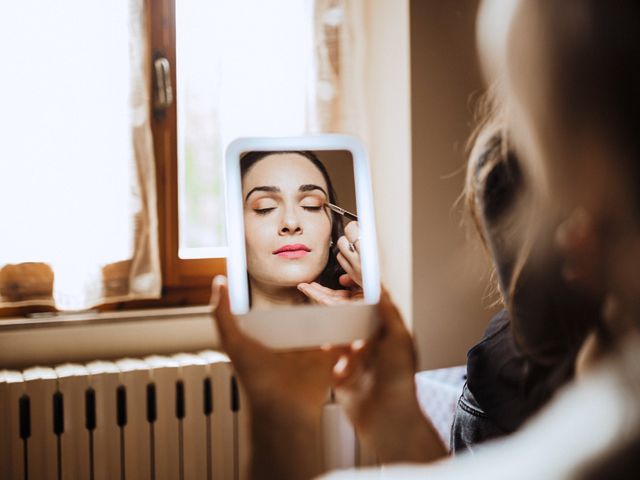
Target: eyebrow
x: 265, y: 188
x: 309, y: 187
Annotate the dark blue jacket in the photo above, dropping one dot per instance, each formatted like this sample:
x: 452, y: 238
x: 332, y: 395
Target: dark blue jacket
x: 503, y: 388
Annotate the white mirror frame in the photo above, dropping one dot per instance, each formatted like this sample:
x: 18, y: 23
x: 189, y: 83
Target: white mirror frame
x: 304, y: 326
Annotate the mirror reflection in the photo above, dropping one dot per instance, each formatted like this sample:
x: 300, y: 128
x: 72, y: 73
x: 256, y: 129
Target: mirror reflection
x: 301, y: 229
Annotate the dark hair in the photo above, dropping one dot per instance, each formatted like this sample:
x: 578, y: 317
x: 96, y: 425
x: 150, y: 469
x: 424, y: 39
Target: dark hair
x: 589, y: 70
x: 493, y: 185
x: 550, y: 319
x: 332, y: 271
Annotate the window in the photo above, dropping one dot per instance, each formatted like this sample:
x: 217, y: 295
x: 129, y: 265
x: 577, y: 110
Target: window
x: 235, y: 68
x: 77, y: 222
x: 237, y: 72
x: 243, y: 70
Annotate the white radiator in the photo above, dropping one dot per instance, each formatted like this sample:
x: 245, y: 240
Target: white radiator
x: 162, y: 417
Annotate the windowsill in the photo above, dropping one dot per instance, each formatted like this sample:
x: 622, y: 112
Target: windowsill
x: 62, y: 319
x: 80, y: 337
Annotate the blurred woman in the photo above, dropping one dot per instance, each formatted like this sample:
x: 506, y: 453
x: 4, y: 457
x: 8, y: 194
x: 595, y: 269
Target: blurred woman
x: 529, y: 348
x: 571, y: 82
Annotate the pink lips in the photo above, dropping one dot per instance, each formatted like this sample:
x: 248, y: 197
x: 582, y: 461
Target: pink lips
x: 292, y: 251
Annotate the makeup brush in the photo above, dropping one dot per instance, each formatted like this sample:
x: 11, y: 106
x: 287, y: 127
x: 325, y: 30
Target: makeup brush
x: 342, y: 211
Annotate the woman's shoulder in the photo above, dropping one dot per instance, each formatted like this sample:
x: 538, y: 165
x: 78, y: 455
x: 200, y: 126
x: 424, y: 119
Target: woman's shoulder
x: 471, y: 425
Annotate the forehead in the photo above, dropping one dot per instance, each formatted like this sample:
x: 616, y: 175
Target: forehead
x: 286, y: 171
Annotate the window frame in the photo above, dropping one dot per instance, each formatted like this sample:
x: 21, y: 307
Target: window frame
x: 177, y: 272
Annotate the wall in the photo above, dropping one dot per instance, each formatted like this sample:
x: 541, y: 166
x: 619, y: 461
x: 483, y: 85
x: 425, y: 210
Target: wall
x: 388, y: 113
x: 450, y: 305
x: 339, y: 165
x: 421, y: 77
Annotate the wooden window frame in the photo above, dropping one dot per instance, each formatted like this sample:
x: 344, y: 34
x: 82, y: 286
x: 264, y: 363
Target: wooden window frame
x: 177, y: 273
x: 185, y: 282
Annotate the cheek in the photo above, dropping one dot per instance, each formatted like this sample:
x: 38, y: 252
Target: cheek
x: 320, y: 228
x: 258, y: 235
x: 322, y: 235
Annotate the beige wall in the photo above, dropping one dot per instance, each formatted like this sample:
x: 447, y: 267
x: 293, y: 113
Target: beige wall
x: 449, y: 274
x: 421, y: 75
x: 339, y: 165
x: 388, y: 114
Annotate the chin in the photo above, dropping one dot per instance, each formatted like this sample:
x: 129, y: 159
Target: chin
x: 293, y: 278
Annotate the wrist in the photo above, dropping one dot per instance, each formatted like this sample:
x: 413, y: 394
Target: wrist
x: 286, y: 441
x: 414, y: 439
x: 281, y: 409
x: 393, y: 415
x: 402, y: 433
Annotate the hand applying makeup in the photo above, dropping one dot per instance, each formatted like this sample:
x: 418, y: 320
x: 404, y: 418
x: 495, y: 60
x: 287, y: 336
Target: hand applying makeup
x: 349, y: 259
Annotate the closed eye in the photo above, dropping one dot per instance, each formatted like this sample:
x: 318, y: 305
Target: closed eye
x: 311, y: 209
x: 263, y: 211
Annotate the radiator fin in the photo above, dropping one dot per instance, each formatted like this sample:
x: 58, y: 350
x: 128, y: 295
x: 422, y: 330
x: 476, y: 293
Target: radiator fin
x: 162, y: 417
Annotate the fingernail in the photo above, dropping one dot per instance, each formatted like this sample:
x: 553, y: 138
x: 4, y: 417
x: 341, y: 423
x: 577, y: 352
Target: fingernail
x: 217, y: 282
x: 340, y: 366
x: 357, y: 344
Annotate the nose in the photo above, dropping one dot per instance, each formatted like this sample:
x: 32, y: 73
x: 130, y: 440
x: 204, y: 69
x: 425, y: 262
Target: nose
x: 290, y: 223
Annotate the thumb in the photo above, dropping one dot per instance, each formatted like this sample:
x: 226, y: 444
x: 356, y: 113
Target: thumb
x: 346, y: 281
x: 234, y: 341
x: 392, y: 322
x: 225, y: 320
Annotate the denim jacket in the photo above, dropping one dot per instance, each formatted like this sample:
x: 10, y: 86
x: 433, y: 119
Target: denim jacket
x: 503, y: 387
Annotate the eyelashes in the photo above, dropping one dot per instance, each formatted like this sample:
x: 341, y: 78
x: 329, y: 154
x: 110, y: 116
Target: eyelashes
x: 266, y: 211
x: 263, y: 211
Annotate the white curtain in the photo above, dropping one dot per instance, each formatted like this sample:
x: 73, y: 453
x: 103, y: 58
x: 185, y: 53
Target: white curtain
x: 77, y: 175
x: 338, y: 99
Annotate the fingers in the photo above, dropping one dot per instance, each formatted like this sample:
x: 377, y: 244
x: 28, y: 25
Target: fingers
x: 245, y: 352
x: 225, y: 320
x: 348, y: 361
x: 352, y: 232
x: 350, y: 367
x: 347, y: 281
x: 216, y: 283
x: 348, y: 268
x: 324, y: 295
x: 349, y: 255
x: 348, y: 251
x: 333, y: 354
x: 232, y: 338
x: 349, y: 259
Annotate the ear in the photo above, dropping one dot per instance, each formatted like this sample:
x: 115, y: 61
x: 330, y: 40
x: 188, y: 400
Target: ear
x: 580, y: 245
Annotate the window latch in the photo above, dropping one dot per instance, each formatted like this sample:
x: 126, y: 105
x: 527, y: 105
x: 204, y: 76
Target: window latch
x: 163, y: 95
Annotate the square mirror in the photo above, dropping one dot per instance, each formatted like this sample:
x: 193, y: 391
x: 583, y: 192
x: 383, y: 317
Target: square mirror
x: 303, y: 264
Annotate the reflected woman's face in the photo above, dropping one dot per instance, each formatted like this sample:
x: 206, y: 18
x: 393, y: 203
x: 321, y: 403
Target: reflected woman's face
x: 287, y: 228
